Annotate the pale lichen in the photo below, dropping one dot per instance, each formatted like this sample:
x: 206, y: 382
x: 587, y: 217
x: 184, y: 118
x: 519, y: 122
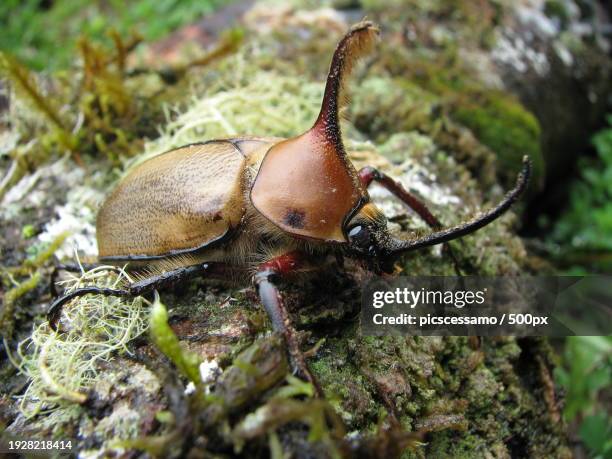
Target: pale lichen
x: 62, y: 366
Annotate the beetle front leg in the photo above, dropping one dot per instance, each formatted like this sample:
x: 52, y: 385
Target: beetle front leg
x: 273, y: 302
x: 369, y: 174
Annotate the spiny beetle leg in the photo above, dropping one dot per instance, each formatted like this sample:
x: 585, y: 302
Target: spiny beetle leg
x: 177, y: 276
x: 369, y: 174
x: 273, y: 302
x: 55, y: 310
x: 140, y: 287
x: 72, y: 268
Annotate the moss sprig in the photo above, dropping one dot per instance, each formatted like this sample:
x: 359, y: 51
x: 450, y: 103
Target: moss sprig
x: 187, y: 363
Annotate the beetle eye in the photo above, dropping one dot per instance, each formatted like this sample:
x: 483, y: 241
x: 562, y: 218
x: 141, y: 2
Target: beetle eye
x: 359, y: 235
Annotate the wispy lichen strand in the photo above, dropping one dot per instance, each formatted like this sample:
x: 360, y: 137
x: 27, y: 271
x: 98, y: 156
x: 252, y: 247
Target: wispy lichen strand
x: 62, y: 366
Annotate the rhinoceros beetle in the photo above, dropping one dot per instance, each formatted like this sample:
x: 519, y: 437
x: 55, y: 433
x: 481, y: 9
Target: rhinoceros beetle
x: 211, y: 208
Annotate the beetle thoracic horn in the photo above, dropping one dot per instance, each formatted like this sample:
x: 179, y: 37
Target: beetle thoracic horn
x: 359, y: 40
x: 398, y: 246
x: 306, y: 185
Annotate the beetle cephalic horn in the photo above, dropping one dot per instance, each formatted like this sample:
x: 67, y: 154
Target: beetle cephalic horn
x: 398, y: 246
x: 356, y: 43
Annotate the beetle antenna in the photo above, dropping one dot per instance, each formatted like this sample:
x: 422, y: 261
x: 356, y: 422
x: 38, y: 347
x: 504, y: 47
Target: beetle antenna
x: 356, y: 43
x: 397, y: 246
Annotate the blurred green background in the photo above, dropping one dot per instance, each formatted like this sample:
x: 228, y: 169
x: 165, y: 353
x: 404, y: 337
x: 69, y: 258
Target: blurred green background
x: 43, y: 33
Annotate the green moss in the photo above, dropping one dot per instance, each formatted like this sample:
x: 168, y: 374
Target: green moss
x: 504, y: 125
x: 7, y: 317
x: 383, y: 106
x: 28, y: 231
x: 402, y: 144
x: 279, y: 104
x: 32, y: 269
x: 345, y: 386
x: 557, y: 9
x: 258, y: 368
x: 455, y: 445
x: 429, y: 91
x: 482, y: 388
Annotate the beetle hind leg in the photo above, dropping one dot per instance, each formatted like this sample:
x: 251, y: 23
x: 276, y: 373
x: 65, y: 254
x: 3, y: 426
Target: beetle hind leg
x: 272, y: 300
x: 55, y: 310
x: 137, y: 288
x: 73, y: 268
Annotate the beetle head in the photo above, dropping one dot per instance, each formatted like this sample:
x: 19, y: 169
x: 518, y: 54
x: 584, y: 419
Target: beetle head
x: 369, y: 239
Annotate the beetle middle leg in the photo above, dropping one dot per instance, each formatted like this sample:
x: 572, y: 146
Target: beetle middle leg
x: 369, y: 174
x: 273, y: 302
x: 137, y: 288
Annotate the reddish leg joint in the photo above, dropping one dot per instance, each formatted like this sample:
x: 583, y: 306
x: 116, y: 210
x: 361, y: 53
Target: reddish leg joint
x: 283, y: 264
x: 368, y: 174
